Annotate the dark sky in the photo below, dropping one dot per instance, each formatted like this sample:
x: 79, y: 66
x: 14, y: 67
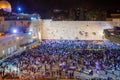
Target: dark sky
x: 41, y: 5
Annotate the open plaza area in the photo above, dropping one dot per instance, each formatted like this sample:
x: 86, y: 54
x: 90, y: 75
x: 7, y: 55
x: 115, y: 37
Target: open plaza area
x: 72, y: 59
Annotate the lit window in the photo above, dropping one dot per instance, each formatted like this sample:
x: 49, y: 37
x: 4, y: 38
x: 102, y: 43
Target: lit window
x: 14, y: 47
x: 3, y: 52
x: 8, y: 50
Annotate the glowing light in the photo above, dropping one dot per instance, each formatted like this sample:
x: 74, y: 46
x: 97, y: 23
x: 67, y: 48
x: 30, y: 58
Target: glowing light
x: 24, y: 47
x: 17, y: 38
x: 33, y: 37
x: 29, y: 33
x: 3, y: 52
x: 39, y: 34
x: 33, y: 18
x: 19, y: 9
x: 15, y: 68
x: 0, y: 34
x: 14, y: 31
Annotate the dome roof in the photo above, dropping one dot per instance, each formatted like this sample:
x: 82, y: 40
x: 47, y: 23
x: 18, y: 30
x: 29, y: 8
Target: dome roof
x: 5, y: 5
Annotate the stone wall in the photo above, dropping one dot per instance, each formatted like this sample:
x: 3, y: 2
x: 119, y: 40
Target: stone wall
x: 71, y: 30
x: 8, y: 44
x: 27, y: 25
x: 74, y: 30
x: 13, y: 23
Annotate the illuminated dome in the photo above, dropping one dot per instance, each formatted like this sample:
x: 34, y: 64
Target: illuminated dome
x: 5, y: 5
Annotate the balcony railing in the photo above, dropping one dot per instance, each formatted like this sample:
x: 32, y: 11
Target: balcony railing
x: 114, y: 38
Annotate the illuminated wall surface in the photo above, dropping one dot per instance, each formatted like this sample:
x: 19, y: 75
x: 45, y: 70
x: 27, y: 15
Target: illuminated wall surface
x: 19, y: 23
x: 27, y: 25
x: 71, y: 30
x: 74, y: 30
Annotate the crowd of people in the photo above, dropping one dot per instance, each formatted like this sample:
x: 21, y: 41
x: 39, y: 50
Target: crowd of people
x: 62, y: 59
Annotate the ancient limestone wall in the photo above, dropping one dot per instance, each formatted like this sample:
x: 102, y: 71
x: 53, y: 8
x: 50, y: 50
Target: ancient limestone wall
x: 27, y: 25
x: 71, y: 30
x: 74, y: 30
x: 14, y: 23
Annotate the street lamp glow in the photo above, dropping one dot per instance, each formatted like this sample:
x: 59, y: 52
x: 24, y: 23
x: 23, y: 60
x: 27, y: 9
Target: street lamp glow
x: 14, y: 31
x: 17, y: 38
x: 33, y: 18
x: 19, y: 9
x: 29, y: 33
x: 33, y: 37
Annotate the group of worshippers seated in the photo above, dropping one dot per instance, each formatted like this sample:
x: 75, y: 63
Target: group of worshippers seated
x: 62, y: 58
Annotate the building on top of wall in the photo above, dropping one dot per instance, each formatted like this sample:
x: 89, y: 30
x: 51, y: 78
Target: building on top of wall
x: 8, y: 44
x: 113, y: 14
x: 2, y: 20
x: 6, y: 11
x: 5, y: 5
x: 18, y: 31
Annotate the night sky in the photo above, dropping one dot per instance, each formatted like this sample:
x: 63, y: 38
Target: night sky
x: 41, y: 5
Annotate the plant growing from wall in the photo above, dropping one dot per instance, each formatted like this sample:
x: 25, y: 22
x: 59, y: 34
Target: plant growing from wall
x: 94, y: 33
x: 80, y: 33
x: 76, y: 38
x: 86, y: 34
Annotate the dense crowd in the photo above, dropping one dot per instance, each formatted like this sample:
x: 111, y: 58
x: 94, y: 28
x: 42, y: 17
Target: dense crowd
x: 62, y: 58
